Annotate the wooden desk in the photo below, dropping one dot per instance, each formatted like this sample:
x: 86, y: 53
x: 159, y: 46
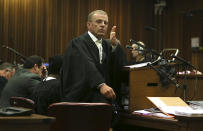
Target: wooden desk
x: 145, y: 82
x: 180, y: 124
x: 192, y: 92
x: 26, y: 123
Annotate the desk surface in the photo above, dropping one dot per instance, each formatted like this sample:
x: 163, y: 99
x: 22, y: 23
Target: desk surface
x: 180, y: 124
x: 34, y: 118
x: 33, y: 122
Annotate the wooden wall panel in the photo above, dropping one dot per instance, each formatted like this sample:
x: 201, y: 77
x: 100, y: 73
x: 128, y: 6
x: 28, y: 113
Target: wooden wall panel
x: 45, y: 27
x: 178, y: 29
x: 197, y: 57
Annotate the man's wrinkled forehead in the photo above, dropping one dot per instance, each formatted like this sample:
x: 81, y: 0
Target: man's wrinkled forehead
x: 98, y: 16
x: 96, y: 12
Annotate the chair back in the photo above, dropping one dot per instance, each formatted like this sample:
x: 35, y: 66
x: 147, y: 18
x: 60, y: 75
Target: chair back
x: 22, y: 102
x: 81, y: 116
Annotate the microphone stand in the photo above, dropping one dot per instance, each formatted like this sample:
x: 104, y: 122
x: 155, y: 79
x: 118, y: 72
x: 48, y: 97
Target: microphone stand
x: 186, y: 64
x: 184, y: 82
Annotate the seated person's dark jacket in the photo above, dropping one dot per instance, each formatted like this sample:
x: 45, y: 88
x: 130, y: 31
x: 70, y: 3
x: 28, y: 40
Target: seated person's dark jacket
x: 3, y: 82
x: 21, y: 84
x: 46, y: 93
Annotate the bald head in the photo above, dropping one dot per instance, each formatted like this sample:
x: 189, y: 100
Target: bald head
x: 96, y: 12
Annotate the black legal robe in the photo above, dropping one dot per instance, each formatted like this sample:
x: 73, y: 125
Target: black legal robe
x: 82, y: 71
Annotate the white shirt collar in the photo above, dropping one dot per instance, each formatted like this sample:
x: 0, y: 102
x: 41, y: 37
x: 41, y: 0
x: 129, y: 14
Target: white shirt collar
x: 49, y: 78
x: 98, y: 43
x: 93, y: 37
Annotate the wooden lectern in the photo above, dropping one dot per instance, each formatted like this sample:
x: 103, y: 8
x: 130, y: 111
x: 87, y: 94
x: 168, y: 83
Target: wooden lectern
x: 145, y: 82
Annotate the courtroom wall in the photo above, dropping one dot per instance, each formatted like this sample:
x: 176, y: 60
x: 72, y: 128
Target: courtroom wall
x: 45, y: 27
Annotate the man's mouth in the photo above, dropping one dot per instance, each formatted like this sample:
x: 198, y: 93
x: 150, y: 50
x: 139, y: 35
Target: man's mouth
x: 102, y: 31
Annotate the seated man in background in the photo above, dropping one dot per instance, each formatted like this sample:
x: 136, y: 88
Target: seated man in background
x: 23, y: 82
x: 138, y: 55
x: 7, y: 70
x: 47, y: 92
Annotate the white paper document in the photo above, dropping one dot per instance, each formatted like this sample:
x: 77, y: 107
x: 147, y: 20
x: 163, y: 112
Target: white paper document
x: 174, y: 105
x: 147, y: 113
x: 138, y: 65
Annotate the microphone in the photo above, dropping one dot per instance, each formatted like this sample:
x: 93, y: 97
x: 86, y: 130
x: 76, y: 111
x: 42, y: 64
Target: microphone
x: 24, y: 59
x: 163, y: 74
x: 150, y: 28
x: 182, y: 60
x: 9, y: 48
x: 14, y: 51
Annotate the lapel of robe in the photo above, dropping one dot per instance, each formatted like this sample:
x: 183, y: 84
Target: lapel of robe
x: 92, y: 48
x: 104, y: 51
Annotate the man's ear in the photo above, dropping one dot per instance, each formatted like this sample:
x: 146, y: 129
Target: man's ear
x: 35, y: 67
x: 88, y: 24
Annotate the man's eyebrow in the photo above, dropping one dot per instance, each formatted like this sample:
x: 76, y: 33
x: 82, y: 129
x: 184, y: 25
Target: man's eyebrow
x: 102, y: 20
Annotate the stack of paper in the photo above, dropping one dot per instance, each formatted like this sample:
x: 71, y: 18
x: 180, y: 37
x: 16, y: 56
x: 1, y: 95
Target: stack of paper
x: 138, y: 65
x: 174, y: 105
x: 147, y: 113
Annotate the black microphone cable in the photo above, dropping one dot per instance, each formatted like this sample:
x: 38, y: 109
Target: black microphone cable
x: 165, y: 75
x: 183, y: 61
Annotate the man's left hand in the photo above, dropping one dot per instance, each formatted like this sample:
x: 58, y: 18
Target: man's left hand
x: 113, y: 39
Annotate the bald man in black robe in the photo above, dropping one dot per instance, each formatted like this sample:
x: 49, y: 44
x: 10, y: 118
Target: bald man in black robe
x: 91, y: 63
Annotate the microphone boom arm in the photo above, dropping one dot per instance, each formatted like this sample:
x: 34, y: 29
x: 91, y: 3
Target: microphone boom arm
x: 23, y: 58
x: 183, y: 61
x: 163, y: 74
